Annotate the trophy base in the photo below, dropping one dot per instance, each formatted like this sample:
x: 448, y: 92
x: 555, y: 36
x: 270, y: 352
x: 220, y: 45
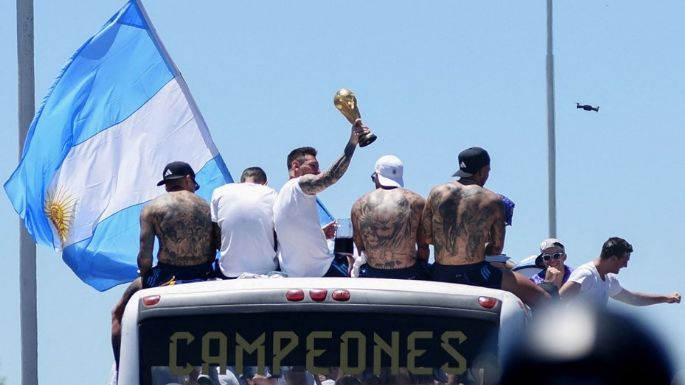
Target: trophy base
x: 367, y: 139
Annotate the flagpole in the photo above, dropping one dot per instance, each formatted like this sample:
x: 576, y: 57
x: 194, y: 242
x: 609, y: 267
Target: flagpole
x: 551, y: 140
x: 27, y: 247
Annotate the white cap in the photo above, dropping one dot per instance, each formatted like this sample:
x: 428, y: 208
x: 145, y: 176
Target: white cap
x: 551, y: 242
x: 389, y: 170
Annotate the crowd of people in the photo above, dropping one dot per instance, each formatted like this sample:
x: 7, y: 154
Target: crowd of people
x: 257, y: 230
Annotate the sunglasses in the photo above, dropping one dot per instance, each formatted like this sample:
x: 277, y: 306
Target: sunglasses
x: 373, y: 177
x: 555, y: 256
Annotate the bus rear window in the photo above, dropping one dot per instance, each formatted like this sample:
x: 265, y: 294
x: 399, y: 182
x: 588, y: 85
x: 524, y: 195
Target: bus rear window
x: 371, y: 348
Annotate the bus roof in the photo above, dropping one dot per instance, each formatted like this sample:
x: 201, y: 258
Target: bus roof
x: 347, y: 293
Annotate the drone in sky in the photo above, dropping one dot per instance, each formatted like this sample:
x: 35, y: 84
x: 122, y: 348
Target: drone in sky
x: 587, y: 107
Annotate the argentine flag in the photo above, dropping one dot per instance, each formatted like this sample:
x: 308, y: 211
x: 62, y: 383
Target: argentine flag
x: 116, y: 115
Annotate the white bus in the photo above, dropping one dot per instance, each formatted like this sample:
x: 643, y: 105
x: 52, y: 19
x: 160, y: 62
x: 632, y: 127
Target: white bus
x: 367, y: 331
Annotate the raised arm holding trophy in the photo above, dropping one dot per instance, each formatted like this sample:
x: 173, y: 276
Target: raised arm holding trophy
x: 346, y: 103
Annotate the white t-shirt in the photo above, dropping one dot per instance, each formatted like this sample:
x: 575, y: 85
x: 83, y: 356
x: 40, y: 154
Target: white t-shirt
x: 244, y: 212
x: 593, y: 289
x: 303, y: 250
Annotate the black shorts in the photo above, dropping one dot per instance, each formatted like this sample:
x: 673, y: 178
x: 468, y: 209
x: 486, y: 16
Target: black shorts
x: 476, y: 274
x: 418, y: 271
x: 164, y: 274
x: 339, y: 267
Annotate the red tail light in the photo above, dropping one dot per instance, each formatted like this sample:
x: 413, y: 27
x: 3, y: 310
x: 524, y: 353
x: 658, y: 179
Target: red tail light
x: 487, y: 302
x: 318, y: 295
x: 341, y: 295
x: 151, y: 300
x: 295, y: 295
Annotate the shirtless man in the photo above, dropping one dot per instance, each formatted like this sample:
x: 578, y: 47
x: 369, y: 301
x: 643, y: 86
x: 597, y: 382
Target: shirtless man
x: 181, y: 222
x: 386, y: 225
x: 302, y: 243
x: 465, y: 222
x: 187, y: 241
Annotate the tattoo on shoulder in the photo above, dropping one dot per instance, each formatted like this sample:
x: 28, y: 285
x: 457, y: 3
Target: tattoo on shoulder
x: 388, y: 222
x: 185, y: 230
x: 462, y: 220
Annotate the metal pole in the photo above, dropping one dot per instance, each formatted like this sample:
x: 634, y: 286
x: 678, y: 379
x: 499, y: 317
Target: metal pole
x: 551, y: 140
x: 27, y: 247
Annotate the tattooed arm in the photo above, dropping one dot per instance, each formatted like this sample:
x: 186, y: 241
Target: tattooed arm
x: 147, y: 241
x: 355, y: 215
x: 313, y: 184
x: 427, y: 220
x: 497, y: 229
x: 422, y: 251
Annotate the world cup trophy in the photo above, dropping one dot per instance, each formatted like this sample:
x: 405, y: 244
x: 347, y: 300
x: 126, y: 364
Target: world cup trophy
x: 346, y: 103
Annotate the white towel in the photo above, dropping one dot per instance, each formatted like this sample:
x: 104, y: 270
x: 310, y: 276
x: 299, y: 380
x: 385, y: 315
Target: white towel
x: 359, y: 260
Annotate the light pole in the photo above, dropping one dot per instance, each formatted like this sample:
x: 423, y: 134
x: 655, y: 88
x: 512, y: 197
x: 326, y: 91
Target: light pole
x: 551, y: 140
x: 27, y: 248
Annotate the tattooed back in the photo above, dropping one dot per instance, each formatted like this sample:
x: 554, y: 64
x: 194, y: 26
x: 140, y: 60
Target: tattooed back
x: 183, y: 226
x: 461, y: 220
x: 386, y: 225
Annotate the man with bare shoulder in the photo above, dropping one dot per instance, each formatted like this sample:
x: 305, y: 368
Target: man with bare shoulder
x: 302, y: 243
x: 465, y: 222
x: 386, y: 226
x: 181, y: 222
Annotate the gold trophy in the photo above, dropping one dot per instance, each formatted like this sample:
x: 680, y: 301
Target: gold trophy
x: 346, y: 102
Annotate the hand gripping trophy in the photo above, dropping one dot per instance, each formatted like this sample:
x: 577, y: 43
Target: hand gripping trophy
x: 346, y: 102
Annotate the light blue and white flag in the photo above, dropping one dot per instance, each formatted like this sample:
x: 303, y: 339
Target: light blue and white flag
x: 325, y: 216
x: 117, y: 114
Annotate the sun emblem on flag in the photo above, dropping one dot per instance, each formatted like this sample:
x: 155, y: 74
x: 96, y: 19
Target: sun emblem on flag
x: 60, y: 207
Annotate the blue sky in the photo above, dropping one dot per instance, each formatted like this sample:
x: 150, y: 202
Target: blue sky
x: 432, y: 78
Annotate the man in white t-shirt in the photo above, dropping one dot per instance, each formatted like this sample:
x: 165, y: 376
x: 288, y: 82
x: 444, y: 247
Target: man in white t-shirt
x: 594, y: 282
x: 303, y: 250
x: 244, y: 214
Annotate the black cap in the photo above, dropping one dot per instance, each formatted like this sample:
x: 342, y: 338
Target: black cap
x: 177, y: 170
x: 471, y: 160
